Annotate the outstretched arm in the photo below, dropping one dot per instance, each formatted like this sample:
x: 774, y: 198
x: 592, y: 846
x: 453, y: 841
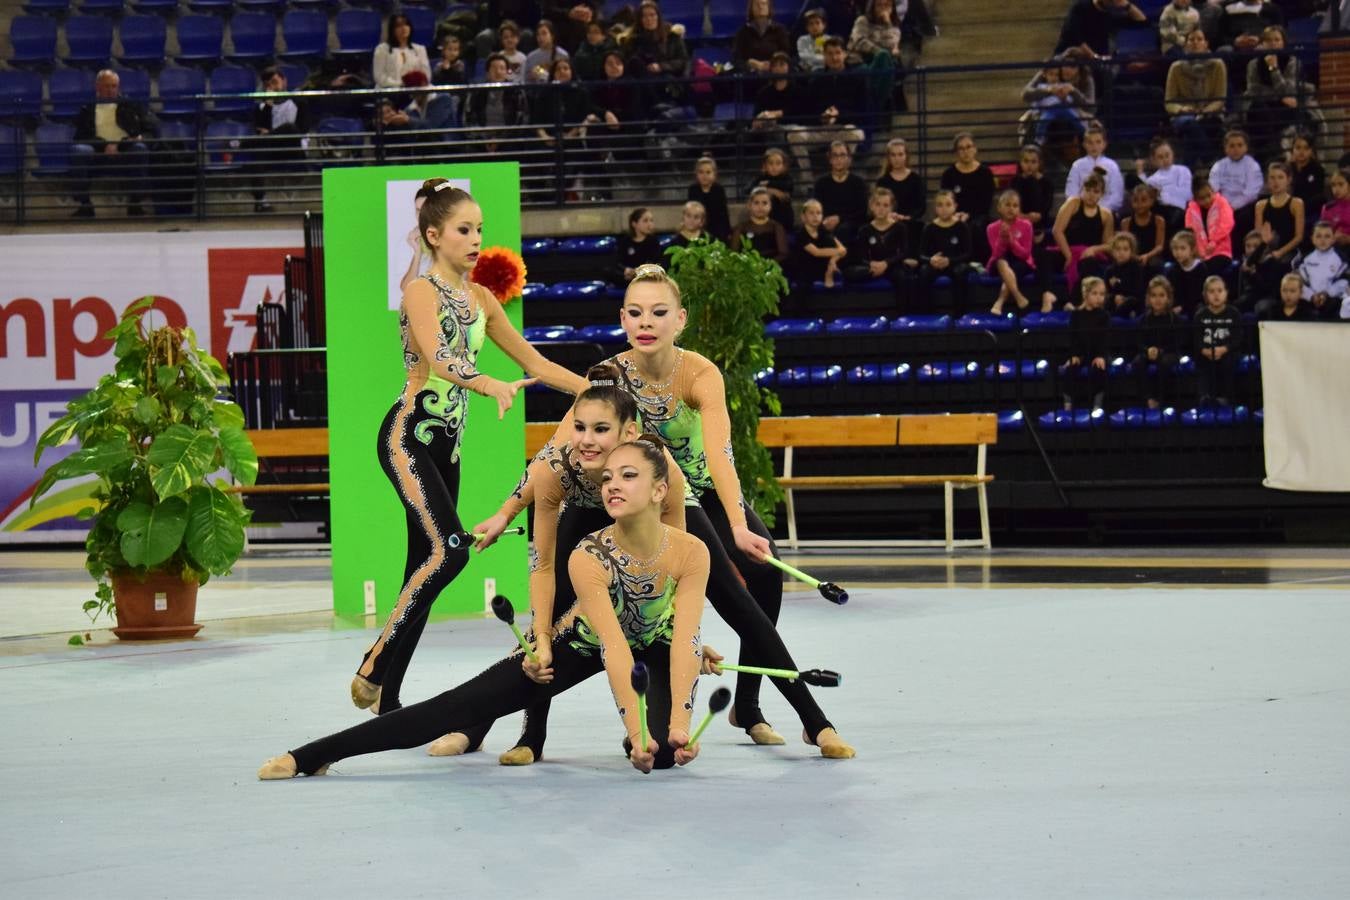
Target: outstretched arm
x: 708, y: 395
x: 514, y: 345
x: 592, y: 587
x: 686, y: 647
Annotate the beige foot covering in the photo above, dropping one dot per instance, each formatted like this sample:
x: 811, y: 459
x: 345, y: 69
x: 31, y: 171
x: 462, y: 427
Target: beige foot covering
x: 364, y: 692
x: 281, y: 767
x: 831, y: 745
x: 452, y: 744
x: 517, y: 756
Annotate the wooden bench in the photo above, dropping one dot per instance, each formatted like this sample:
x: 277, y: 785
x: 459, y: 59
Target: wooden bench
x: 962, y: 429
x: 287, y: 443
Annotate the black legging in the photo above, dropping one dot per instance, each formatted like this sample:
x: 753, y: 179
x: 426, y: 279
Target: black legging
x: 427, y: 483
x: 498, y: 691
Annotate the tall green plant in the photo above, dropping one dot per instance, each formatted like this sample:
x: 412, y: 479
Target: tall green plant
x: 727, y: 295
x: 152, y: 431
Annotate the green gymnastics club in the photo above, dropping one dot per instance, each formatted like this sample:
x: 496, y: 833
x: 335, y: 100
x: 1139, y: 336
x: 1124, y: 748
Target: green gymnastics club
x: 828, y: 589
x: 465, y: 539
x: 817, y: 677
x: 716, y: 703
x: 501, y: 608
x: 641, y: 680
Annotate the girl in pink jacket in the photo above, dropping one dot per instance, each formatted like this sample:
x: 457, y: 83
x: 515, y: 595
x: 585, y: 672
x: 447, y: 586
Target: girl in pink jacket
x: 1010, y: 250
x: 1210, y: 216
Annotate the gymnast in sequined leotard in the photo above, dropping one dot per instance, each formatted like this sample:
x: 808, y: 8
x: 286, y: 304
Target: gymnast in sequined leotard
x: 444, y: 320
x: 639, y: 586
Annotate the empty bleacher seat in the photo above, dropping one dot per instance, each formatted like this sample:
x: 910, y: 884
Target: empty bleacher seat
x: 134, y: 84
x: 1011, y: 420
x: 177, y: 131
x: 254, y: 36
x: 358, y: 31
x: 155, y: 7
x: 142, y: 39
x: 20, y: 93
x: 260, y: 5
x: 200, y: 38
x: 533, y: 289
x: 576, y: 290
x: 603, y: 334
x: 859, y: 325
x: 921, y: 323
x: 227, y: 82
x: 828, y: 374
x: 53, y: 142
x: 423, y: 22
x: 89, y: 39
x: 1071, y: 420
x: 69, y: 90
x: 1141, y: 41
x: 11, y: 147
x: 538, y: 246
x: 211, y: 6
x: 587, y: 246
x: 223, y: 143
x: 794, y: 328
x: 177, y: 87
x: 793, y: 376
x: 1009, y: 369
x: 545, y: 334
x: 33, y: 39
x: 47, y: 7
x: 101, y: 7
x: 1051, y: 321
x: 940, y: 372
x: 985, y: 321
x: 765, y: 377
x: 305, y: 33
x: 1210, y: 416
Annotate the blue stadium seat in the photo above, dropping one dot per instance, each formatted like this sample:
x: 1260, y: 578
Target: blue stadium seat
x: 177, y: 86
x: 1119, y: 367
x: 260, y: 5
x: 305, y: 33
x: 603, y: 334
x: 576, y: 290
x: 423, y: 23
x: 178, y: 131
x: 358, y: 32
x: 296, y: 73
x: 921, y: 323
x: 142, y: 39
x: 733, y: 112
x: 688, y: 13
x: 69, y: 90
x: 134, y: 84
x: 533, y: 289
x: 211, y: 6
x: 794, y: 376
x: 1076, y: 420
x: 1304, y: 30
x: 89, y: 39
x: 11, y: 148
x: 827, y: 374
x: 1248, y: 363
x: 859, y: 325
x: 53, y: 143
x: 587, y: 246
x: 664, y: 240
x: 1185, y: 366
x: 1208, y: 417
x: 1011, y: 420
x: 895, y: 373
x: 794, y: 328
x: 546, y: 334
x: 101, y: 7
x: 1141, y: 41
x: 20, y: 94
x: 614, y: 292
x: 1007, y: 370
x: 156, y: 7
x: 818, y: 287
x: 1051, y: 321
x: 47, y: 7
x: 33, y: 39
x: 873, y: 286
x: 986, y: 322
x: 866, y: 373
x: 765, y: 377
x: 1259, y: 416
x: 727, y: 19
x: 227, y: 81
x: 200, y: 38
x: 223, y: 143
x: 254, y: 35
x: 538, y: 246
x: 341, y: 131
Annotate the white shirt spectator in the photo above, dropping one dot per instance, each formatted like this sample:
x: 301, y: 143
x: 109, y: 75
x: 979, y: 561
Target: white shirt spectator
x: 515, y: 66
x: 1324, y: 272
x: 809, y: 54
x: 392, y: 63
x: 1114, y: 197
x: 539, y: 64
x: 1240, y: 182
x: 1173, y: 184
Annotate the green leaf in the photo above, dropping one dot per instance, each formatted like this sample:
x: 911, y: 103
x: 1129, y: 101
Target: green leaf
x: 227, y: 414
x: 87, y: 460
x: 75, y: 641
x: 215, y: 534
x: 151, y: 534
x: 179, y: 457
x: 240, y: 456
x: 166, y: 377
x: 147, y: 410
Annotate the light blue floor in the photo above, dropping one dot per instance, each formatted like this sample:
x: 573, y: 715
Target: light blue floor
x: 1011, y: 743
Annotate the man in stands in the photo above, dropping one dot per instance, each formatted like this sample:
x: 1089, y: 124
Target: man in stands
x: 279, y: 120
x: 1090, y: 24
x: 835, y: 98
x: 778, y: 103
x: 111, y: 133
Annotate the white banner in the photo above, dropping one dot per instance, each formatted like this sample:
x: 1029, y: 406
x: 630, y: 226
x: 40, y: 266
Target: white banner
x: 1305, y: 376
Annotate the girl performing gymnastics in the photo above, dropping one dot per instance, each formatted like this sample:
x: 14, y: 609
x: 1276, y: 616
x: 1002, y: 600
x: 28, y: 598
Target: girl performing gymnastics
x: 640, y: 586
x: 680, y: 395
x: 565, y: 484
x: 443, y: 319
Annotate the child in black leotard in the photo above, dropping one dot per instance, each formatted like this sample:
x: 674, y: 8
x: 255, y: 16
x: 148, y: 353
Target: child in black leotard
x: 1279, y: 219
x: 444, y: 319
x: 766, y: 235
x: 639, y: 586
x: 638, y: 247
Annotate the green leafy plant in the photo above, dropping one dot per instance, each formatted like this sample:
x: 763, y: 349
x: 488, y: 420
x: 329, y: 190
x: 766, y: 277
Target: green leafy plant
x: 727, y: 294
x: 152, y: 431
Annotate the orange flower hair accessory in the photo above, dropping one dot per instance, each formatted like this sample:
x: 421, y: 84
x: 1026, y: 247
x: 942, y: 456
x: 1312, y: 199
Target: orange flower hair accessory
x: 501, y: 271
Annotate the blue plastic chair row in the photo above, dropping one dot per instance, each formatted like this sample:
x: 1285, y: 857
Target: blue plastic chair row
x: 554, y: 334
x: 1135, y: 418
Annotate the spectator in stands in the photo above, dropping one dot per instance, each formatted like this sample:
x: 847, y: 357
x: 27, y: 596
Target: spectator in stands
x: 972, y: 184
x: 875, y: 43
x: 1324, y: 274
x: 944, y: 251
x: 1253, y: 274
x: 1238, y: 177
x: 111, y: 134
x: 1195, y: 96
x: 842, y: 194
x: 1337, y: 209
x: 1291, y: 306
x: 638, y: 246
x: 1162, y: 341
x: 1094, y: 157
x: 392, y: 120
x: 778, y: 103
x: 1171, y: 178
x: 811, y: 45
x: 398, y: 55
x: 907, y: 187
x: 712, y: 196
x: 566, y: 107
x: 774, y: 177
x: 765, y: 235
x: 1149, y: 228
x: 498, y: 110
x: 1242, y: 24
x: 692, y: 219
x: 278, y: 120
x: 1279, y: 219
x: 1218, y: 335
x: 1034, y: 191
x: 1089, y: 347
x: 816, y: 251
x: 508, y: 43
x: 1210, y: 219
x: 572, y: 19
x: 617, y: 102
x: 879, y: 246
x: 832, y: 99
x: 589, y: 60
x: 759, y: 39
x: 1091, y: 23
x: 1307, y: 181
x: 449, y: 71
x: 1060, y: 93
x: 1011, y: 240
x: 656, y: 51
x: 539, y: 61
x: 1271, y: 100
x: 1083, y: 231
x: 1124, y: 277
x: 1177, y: 20
x: 1188, y: 273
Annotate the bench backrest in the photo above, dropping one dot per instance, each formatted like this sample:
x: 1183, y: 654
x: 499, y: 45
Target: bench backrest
x: 953, y: 428
x: 280, y: 443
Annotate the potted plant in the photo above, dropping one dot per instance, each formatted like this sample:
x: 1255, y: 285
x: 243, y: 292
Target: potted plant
x: 727, y: 294
x: 153, y: 431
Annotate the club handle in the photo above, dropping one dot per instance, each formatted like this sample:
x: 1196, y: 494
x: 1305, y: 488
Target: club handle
x: 519, y: 529
x: 698, y: 732
x: 759, y: 670
x: 794, y: 572
x: 642, y: 720
x: 524, y: 645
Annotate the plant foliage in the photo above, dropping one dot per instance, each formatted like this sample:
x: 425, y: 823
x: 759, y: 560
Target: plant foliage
x: 727, y: 295
x: 153, y: 431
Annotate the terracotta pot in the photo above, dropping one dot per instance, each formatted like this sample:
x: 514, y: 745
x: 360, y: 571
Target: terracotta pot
x: 161, y: 606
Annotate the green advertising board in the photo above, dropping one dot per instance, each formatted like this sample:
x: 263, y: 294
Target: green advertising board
x: 369, y: 229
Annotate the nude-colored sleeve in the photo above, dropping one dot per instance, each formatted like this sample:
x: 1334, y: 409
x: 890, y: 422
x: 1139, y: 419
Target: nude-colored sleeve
x: 672, y: 508
x: 545, y: 548
x: 686, y: 645
x: 591, y: 582
x: 523, y: 494
x: 450, y: 363
x: 522, y: 352
x: 708, y: 395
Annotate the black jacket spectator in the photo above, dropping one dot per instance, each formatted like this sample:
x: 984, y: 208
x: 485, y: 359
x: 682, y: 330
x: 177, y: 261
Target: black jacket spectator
x: 952, y: 241
x: 802, y: 266
x: 1089, y: 334
x: 570, y: 98
x: 717, y: 221
x: 788, y: 101
x: 845, y: 90
x: 570, y: 33
x: 759, y: 40
x: 514, y: 108
x: 974, y: 191
x: 874, y: 244
x: 846, y: 199
x: 633, y: 253
x: 911, y: 194
x: 1125, y: 280
x: 1091, y: 23
x: 1167, y: 332
x: 132, y: 117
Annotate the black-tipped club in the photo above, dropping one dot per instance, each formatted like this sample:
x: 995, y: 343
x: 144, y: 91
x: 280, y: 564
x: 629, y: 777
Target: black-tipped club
x: 501, y: 608
x: 641, y: 677
x: 720, y: 700
x: 460, y: 539
x: 833, y: 592
x: 821, y: 677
